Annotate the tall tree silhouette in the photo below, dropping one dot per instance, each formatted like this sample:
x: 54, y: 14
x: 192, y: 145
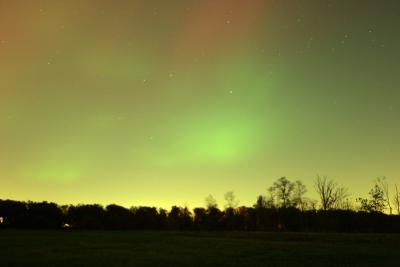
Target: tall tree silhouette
x: 213, y: 216
x: 396, y: 199
x: 376, y: 202
x: 211, y: 202
x: 281, y: 191
x: 261, y: 202
x: 383, y: 184
x: 330, y: 193
x: 299, y: 190
x: 231, y: 201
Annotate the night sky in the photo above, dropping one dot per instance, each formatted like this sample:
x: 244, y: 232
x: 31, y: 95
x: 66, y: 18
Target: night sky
x: 164, y: 102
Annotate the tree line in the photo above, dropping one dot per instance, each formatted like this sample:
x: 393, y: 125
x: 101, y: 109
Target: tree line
x: 283, y: 208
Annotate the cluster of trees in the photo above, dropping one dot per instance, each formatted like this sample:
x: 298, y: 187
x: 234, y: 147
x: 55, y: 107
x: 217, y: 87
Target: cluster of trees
x: 284, y: 193
x: 284, y: 208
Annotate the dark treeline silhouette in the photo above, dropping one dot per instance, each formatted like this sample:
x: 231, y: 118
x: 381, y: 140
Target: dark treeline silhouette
x: 284, y: 209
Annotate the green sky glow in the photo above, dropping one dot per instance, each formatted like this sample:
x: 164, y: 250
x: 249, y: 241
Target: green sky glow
x: 164, y: 102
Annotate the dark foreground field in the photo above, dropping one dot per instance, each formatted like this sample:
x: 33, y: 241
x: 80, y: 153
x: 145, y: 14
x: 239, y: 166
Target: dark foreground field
x: 142, y: 248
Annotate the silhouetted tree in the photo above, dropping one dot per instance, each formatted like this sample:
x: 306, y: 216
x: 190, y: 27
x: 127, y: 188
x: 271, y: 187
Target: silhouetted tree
x: 293, y: 213
x: 145, y: 217
x: 330, y: 193
x: 249, y: 217
x: 199, y: 218
x: 13, y: 213
x: 86, y: 216
x: 211, y: 202
x: 265, y: 217
x: 161, y: 219
x: 229, y: 219
x: 282, y: 190
x: 383, y: 184
x: 396, y: 199
x: 43, y: 215
x: 117, y: 217
x: 231, y: 201
x: 261, y: 202
x: 309, y: 204
x: 376, y: 202
x: 179, y: 218
x: 299, y: 190
x: 213, y: 219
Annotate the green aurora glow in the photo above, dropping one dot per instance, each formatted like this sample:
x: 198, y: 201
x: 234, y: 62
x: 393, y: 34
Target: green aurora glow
x: 164, y: 102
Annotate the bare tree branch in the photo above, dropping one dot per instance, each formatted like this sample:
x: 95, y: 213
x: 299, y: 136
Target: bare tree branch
x: 396, y: 199
x: 331, y: 194
x: 383, y: 184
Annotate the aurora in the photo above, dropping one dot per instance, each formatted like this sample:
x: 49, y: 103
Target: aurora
x: 156, y: 103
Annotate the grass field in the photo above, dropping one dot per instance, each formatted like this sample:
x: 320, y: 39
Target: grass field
x: 147, y: 248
